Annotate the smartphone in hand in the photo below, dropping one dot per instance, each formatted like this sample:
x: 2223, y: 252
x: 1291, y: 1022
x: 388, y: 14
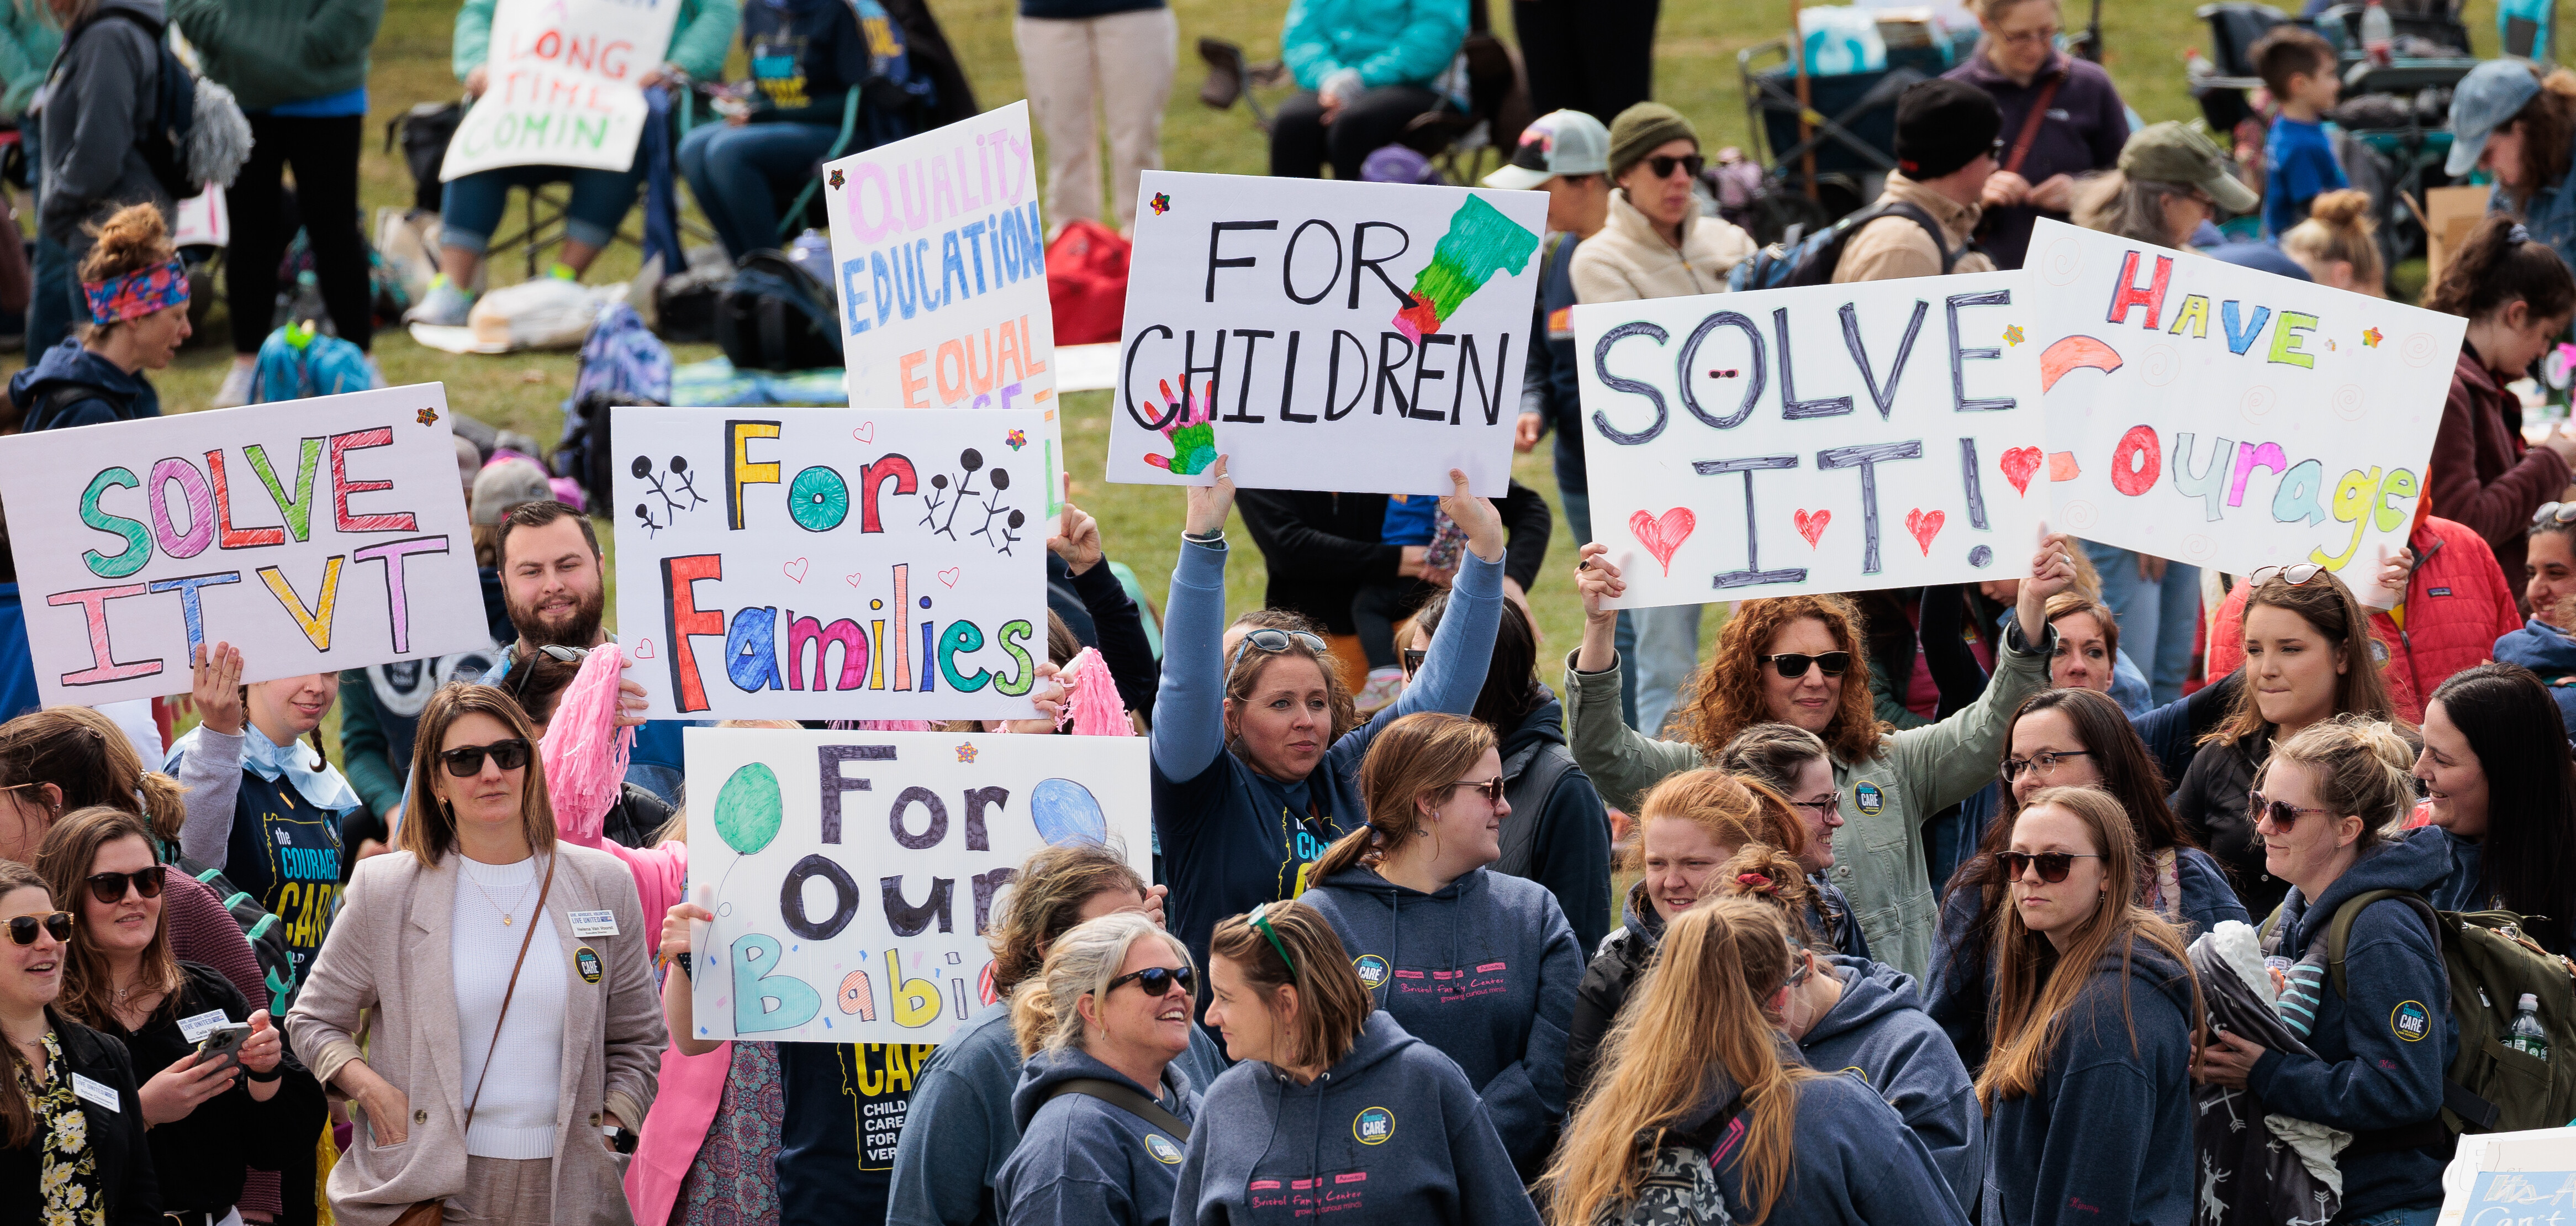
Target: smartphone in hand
x: 223, y: 1043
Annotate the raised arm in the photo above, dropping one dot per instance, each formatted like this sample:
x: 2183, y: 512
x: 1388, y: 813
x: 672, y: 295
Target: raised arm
x: 1621, y: 761
x: 1453, y: 670
x: 1947, y: 762
x: 1189, y: 706
x: 1116, y: 619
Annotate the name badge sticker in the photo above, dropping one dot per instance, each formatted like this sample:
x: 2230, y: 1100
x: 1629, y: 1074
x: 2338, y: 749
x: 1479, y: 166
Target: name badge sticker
x: 195, y: 1029
x: 96, y: 1092
x: 594, y: 923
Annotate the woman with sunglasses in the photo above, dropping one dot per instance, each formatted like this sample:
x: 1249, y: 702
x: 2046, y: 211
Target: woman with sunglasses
x: 2096, y: 1014
x: 72, y: 1143
x: 1480, y: 965
x: 2495, y: 767
x: 463, y: 948
x: 2309, y: 656
x: 2382, y: 1028
x: 210, y: 1118
x: 1113, y: 1006
x: 1794, y: 762
x: 2067, y: 738
x: 1257, y: 750
x: 1331, y: 1107
x: 2546, y: 642
x: 1795, y: 660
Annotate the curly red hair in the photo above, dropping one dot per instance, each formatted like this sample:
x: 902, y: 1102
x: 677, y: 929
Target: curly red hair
x: 1725, y: 698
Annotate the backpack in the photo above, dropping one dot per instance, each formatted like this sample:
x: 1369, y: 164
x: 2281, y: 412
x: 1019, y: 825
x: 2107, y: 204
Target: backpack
x: 47, y: 412
x: 1533, y: 773
x: 621, y: 363
x: 1086, y: 269
x: 2490, y: 965
x: 196, y: 133
x: 1680, y: 1185
x: 773, y: 316
x: 263, y: 930
x: 1813, y: 260
x: 295, y: 364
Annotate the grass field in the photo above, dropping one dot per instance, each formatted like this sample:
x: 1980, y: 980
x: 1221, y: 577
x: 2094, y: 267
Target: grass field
x: 1695, y: 70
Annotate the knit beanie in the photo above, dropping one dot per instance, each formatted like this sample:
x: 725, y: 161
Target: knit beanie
x: 1942, y: 125
x: 1639, y: 129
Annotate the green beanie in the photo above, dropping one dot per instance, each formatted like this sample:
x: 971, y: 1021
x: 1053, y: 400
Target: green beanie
x: 1639, y: 129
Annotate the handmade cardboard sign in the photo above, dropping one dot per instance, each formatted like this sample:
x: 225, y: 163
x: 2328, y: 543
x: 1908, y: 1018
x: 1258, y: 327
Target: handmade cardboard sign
x: 2225, y: 417
x: 1364, y: 337
x: 314, y: 535
x: 853, y: 875
x: 1827, y: 438
x: 832, y: 563
x: 2511, y: 1179
x: 560, y: 85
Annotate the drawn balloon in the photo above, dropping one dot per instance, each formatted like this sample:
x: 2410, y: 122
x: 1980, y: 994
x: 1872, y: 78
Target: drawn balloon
x: 748, y: 808
x: 1065, y: 811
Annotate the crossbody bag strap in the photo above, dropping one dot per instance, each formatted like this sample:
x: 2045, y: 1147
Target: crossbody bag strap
x: 512, y: 990
x: 1124, y: 1098
x: 2030, y: 124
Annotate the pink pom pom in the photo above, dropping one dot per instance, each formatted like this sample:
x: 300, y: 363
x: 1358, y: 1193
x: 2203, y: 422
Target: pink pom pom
x: 1093, y: 707
x: 584, y: 750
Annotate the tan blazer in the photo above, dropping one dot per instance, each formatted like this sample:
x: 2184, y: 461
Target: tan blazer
x: 390, y: 951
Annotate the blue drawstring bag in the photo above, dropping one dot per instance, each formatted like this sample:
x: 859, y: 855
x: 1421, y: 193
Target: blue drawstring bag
x: 296, y: 362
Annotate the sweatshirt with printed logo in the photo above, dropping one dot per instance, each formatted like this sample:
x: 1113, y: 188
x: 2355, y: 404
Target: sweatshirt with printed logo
x: 1082, y: 1161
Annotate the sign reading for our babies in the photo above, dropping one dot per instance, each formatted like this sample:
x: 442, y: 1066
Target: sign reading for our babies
x: 2226, y: 417
x: 314, y: 535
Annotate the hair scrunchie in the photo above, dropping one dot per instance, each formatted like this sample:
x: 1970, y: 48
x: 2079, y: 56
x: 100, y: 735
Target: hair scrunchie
x: 138, y: 294
x: 1757, y: 880
x: 2518, y: 234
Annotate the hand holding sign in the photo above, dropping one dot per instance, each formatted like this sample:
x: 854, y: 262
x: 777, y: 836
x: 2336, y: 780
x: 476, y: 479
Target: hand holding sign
x: 1483, y: 525
x: 1208, y: 504
x: 1598, y: 579
x: 216, y: 687
x: 2052, y: 570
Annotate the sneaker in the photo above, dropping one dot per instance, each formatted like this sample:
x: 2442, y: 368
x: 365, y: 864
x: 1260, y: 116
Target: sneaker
x: 444, y: 305
x: 1383, y: 687
x: 236, y: 389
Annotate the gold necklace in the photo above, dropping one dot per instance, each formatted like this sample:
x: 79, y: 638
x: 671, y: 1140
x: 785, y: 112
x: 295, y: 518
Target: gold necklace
x: 508, y: 914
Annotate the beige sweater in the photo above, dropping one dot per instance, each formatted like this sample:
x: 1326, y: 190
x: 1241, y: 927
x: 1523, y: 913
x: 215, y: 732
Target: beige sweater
x: 1892, y: 248
x: 1628, y: 260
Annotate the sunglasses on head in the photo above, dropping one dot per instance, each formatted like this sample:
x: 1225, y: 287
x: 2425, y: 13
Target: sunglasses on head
x: 22, y: 928
x: 1275, y: 641
x: 466, y: 761
x: 110, y: 887
x: 1662, y: 167
x: 1793, y: 664
x: 2284, y: 815
x: 2554, y: 512
x: 2296, y: 576
x: 1491, y: 789
x: 2053, y: 865
x: 1260, y: 922
x: 1156, y: 980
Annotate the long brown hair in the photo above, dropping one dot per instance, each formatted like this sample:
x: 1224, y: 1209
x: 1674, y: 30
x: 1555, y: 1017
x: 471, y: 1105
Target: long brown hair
x: 17, y: 1115
x: 1703, y: 1006
x: 1332, y: 1005
x: 70, y: 852
x: 1512, y: 688
x: 1048, y: 891
x: 1735, y: 810
x: 2036, y: 985
x: 1415, y: 759
x: 93, y: 762
x: 2330, y: 609
x: 1725, y: 697
x: 429, y: 824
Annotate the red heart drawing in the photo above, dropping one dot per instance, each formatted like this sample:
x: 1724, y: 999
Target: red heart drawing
x: 1811, y: 524
x: 1662, y: 536
x: 866, y: 433
x: 795, y: 570
x: 949, y: 576
x: 2018, y: 465
x: 851, y: 578
x: 643, y: 649
x: 1924, y: 525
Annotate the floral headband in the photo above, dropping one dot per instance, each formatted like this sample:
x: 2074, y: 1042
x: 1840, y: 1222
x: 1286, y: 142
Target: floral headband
x: 136, y: 295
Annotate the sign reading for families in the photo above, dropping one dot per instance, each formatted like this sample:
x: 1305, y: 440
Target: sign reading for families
x: 853, y: 875
x: 560, y: 86
x: 1365, y: 337
x: 942, y: 265
x: 315, y: 535
x: 1823, y: 439
x: 833, y: 563
x: 2225, y: 417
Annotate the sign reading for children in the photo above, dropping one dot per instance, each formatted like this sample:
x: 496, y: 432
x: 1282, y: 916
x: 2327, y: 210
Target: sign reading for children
x: 560, y: 85
x: 942, y: 267
x: 314, y: 535
x: 1820, y: 439
x: 833, y: 563
x: 2225, y: 417
x: 1364, y: 337
x: 853, y: 875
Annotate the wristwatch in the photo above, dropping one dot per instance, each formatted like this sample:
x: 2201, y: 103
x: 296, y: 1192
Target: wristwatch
x: 619, y: 1139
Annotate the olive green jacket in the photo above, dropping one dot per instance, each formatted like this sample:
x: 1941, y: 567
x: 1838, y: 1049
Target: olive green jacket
x: 1886, y: 798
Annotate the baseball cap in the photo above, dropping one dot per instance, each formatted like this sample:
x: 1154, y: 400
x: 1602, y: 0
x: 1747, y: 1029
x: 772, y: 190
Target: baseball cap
x: 2168, y: 152
x: 2491, y: 94
x: 504, y: 486
x: 1556, y: 143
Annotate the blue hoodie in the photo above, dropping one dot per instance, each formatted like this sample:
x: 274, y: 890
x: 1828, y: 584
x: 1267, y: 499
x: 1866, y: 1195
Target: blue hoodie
x: 123, y: 396
x: 1390, y: 1135
x: 2382, y: 1051
x: 2543, y: 649
x: 1081, y: 1160
x: 1853, y: 1162
x: 1879, y: 1033
x: 1487, y: 977
x: 2106, y: 1140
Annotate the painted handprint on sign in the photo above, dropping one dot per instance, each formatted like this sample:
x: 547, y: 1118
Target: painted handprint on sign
x: 1191, y: 430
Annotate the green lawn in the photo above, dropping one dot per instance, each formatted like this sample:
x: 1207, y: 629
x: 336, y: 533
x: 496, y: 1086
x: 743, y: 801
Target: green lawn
x: 1695, y: 71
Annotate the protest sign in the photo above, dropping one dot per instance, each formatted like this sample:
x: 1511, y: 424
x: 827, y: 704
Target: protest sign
x: 853, y: 875
x: 2511, y: 1179
x: 942, y: 267
x: 1362, y: 337
x: 753, y: 542
x: 2225, y: 417
x: 560, y: 85
x: 314, y: 535
x: 1829, y: 438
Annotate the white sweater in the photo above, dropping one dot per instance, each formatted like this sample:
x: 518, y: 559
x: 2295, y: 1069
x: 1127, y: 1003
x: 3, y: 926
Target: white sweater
x: 516, y: 1115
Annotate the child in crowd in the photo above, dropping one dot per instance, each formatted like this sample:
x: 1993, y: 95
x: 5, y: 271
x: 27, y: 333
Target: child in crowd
x: 2299, y: 68
x: 2338, y: 244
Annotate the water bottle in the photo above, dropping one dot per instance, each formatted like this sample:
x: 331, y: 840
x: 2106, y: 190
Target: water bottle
x: 2377, y: 32
x: 2526, y: 1036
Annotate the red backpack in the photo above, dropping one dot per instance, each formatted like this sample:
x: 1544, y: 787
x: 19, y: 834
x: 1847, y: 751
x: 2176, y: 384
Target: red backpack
x: 1087, y: 283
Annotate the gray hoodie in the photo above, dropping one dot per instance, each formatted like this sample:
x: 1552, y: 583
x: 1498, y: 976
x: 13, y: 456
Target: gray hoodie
x: 95, y: 103
x: 1085, y: 1162
x: 1879, y: 1033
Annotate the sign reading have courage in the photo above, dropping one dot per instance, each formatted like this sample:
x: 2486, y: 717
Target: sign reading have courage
x: 560, y: 85
x: 315, y: 535
x: 1363, y: 337
x: 1826, y: 438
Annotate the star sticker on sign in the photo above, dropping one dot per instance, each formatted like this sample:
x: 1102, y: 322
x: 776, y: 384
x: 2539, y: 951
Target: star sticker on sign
x: 2371, y: 338
x: 2013, y: 335
x: 428, y: 417
x: 836, y: 179
x: 966, y: 753
x: 1161, y: 203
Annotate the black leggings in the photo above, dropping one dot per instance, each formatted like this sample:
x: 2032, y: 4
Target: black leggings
x: 1594, y: 56
x: 324, y: 153
x: 1300, y: 141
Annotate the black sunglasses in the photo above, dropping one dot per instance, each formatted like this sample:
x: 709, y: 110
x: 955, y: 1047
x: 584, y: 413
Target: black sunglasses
x: 2299, y: 575
x: 110, y: 887
x: 1491, y: 788
x: 518, y: 679
x: 22, y: 928
x: 2053, y: 865
x: 1793, y: 664
x: 466, y: 761
x: 1413, y: 661
x: 1663, y: 166
x: 1156, y: 980
x: 2045, y: 762
x: 2284, y: 815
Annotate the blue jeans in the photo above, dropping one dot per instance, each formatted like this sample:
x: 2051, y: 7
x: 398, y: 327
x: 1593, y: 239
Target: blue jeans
x: 2145, y: 609
x: 1578, y: 518
x: 739, y: 173
x: 469, y: 208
